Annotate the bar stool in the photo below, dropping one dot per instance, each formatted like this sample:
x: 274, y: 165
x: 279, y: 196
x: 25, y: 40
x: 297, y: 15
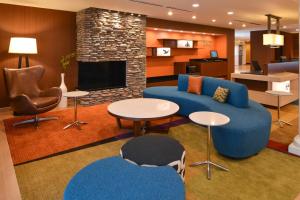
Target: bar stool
x: 279, y: 94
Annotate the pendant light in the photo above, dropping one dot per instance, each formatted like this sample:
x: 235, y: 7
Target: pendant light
x: 274, y: 40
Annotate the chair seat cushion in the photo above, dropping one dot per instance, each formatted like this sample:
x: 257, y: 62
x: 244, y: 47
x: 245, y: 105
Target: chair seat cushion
x: 116, y: 179
x: 42, y: 102
x: 155, y: 150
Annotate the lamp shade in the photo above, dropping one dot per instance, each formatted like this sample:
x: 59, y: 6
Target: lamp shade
x: 21, y: 45
x: 272, y: 39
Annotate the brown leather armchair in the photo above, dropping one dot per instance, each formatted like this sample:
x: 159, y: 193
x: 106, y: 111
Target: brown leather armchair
x: 26, y: 98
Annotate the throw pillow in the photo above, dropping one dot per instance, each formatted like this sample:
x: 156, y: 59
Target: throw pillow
x: 195, y: 84
x: 221, y: 94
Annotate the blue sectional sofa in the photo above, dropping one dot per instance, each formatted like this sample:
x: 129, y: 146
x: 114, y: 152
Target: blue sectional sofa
x: 250, y: 123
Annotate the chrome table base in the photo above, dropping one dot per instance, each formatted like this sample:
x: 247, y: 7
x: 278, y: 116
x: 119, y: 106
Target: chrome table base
x: 279, y: 121
x: 208, y: 162
x: 75, y: 123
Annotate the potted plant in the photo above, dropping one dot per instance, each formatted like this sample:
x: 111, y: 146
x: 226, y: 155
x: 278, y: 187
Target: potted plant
x: 65, y: 62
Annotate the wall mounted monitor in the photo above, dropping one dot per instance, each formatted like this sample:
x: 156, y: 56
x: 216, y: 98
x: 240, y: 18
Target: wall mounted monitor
x: 185, y: 44
x: 214, y: 54
x: 163, y: 51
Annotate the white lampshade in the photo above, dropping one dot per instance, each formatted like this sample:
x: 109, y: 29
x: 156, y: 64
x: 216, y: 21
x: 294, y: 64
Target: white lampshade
x: 21, y: 45
x: 273, y: 39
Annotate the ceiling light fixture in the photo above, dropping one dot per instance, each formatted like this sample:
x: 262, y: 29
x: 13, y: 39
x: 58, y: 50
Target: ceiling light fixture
x: 181, y: 31
x: 195, y: 5
x: 274, y: 40
x: 244, y: 25
x: 230, y: 23
x: 213, y: 20
x: 284, y: 27
x: 194, y: 17
x: 170, y: 30
x: 230, y: 13
x: 156, y: 29
x: 170, y: 13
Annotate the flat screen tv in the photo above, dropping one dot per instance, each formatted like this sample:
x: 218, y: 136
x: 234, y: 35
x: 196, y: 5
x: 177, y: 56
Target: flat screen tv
x: 101, y: 75
x: 214, y: 54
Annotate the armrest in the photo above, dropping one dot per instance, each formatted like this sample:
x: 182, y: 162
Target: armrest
x: 22, y: 104
x: 52, y: 92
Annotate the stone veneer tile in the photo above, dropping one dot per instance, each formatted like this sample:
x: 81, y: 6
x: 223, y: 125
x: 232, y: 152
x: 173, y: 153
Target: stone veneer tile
x: 105, y: 35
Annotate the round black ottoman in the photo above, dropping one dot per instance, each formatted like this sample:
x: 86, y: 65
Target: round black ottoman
x: 155, y: 150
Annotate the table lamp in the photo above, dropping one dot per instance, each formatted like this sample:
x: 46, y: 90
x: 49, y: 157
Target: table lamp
x: 22, y: 46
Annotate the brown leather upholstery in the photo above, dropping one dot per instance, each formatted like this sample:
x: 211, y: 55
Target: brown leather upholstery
x: 25, y: 95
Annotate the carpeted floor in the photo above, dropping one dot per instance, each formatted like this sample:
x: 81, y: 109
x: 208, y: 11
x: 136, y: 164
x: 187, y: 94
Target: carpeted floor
x: 27, y: 143
x: 268, y: 175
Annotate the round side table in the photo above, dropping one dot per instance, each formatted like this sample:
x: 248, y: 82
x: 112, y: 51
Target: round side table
x: 279, y: 94
x: 75, y: 95
x: 209, y: 119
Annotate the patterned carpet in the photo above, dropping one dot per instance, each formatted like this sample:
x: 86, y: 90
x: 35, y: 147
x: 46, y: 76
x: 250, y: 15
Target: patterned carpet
x: 268, y: 175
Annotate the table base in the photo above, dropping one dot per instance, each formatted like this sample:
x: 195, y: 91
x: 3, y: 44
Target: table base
x: 209, y: 163
x: 281, y: 123
x: 76, y: 124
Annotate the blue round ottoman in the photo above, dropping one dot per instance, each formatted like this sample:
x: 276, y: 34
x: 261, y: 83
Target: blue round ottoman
x: 116, y: 179
x: 155, y: 150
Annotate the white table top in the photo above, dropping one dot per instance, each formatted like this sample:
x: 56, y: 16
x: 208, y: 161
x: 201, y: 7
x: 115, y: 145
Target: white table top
x: 209, y: 118
x: 143, y: 108
x: 75, y: 94
x: 279, y: 93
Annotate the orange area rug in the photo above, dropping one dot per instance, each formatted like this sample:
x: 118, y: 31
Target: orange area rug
x: 28, y: 143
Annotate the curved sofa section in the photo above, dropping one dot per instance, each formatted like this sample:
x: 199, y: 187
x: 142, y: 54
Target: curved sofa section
x: 249, y: 127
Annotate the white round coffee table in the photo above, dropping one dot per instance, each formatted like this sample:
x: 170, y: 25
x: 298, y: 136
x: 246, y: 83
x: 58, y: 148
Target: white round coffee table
x: 209, y: 119
x: 75, y: 95
x: 279, y: 94
x: 142, y: 110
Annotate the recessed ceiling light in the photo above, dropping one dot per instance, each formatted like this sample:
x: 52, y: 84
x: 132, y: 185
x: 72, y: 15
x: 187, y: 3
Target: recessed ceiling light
x: 244, y: 25
x: 297, y: 29
x: 170, y: 30
x: 131, y: 14
x: 204, y: 33
x: 230, y: 23
x: 170, y: 13
x: 181, y: 31
x: 193, y: 32
x: 230, y: 13
x: 139, y: 15
x: 284, y: 27
x: 195, y: 5
x: 213, y: 20
x: 156, y: 29
x: 213, y: 34
x: 194, y: 17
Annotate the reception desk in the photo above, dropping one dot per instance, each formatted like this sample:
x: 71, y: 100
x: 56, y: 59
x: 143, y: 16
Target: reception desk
x: 210, y: 67
x: 258, y: 84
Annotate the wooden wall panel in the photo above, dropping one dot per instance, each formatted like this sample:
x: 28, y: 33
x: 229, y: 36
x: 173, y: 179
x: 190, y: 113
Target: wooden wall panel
x: 56, y: 36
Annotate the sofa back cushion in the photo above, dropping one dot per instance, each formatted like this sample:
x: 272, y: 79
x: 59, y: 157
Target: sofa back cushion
x: 238, y: 93
x: 183, y: 82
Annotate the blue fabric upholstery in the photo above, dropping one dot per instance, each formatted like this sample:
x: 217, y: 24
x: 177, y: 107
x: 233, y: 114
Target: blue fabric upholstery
x: 249, y: 127
x: 183, y: 82
x: 116, y: 179
x: 238, y: 93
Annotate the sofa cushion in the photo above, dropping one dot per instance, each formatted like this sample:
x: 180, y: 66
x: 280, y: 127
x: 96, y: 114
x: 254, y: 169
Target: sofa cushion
x: 195, y: 84
x: 221, y: 94
x: 183, y: 82
x: 238, y: 96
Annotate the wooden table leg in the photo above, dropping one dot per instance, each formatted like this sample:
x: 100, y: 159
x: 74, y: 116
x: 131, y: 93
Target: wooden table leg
x: 119, y: 122
x: 137, y: 125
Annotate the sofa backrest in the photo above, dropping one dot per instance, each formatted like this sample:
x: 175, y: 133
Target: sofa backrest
x: 238, y: 93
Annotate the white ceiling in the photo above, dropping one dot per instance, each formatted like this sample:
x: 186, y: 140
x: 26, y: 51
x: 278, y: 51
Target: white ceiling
x: 252, y: 11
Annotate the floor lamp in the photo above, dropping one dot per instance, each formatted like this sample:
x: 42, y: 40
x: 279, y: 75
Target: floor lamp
x: 23, y: 47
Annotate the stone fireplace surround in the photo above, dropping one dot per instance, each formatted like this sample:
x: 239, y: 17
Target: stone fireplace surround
x: 105, y: 35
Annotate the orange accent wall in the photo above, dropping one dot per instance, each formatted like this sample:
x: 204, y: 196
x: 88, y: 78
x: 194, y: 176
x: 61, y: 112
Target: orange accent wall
x: 163, y: 66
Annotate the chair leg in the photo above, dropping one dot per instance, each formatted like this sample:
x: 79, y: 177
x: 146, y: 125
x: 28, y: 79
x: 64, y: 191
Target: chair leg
x: 35, y: 121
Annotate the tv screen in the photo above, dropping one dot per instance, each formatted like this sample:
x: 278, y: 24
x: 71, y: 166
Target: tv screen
x: 101, y: 75
x: 214, y: 54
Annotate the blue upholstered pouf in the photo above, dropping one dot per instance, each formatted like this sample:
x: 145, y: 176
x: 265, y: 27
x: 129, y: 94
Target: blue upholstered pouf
x: 116, y: 179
